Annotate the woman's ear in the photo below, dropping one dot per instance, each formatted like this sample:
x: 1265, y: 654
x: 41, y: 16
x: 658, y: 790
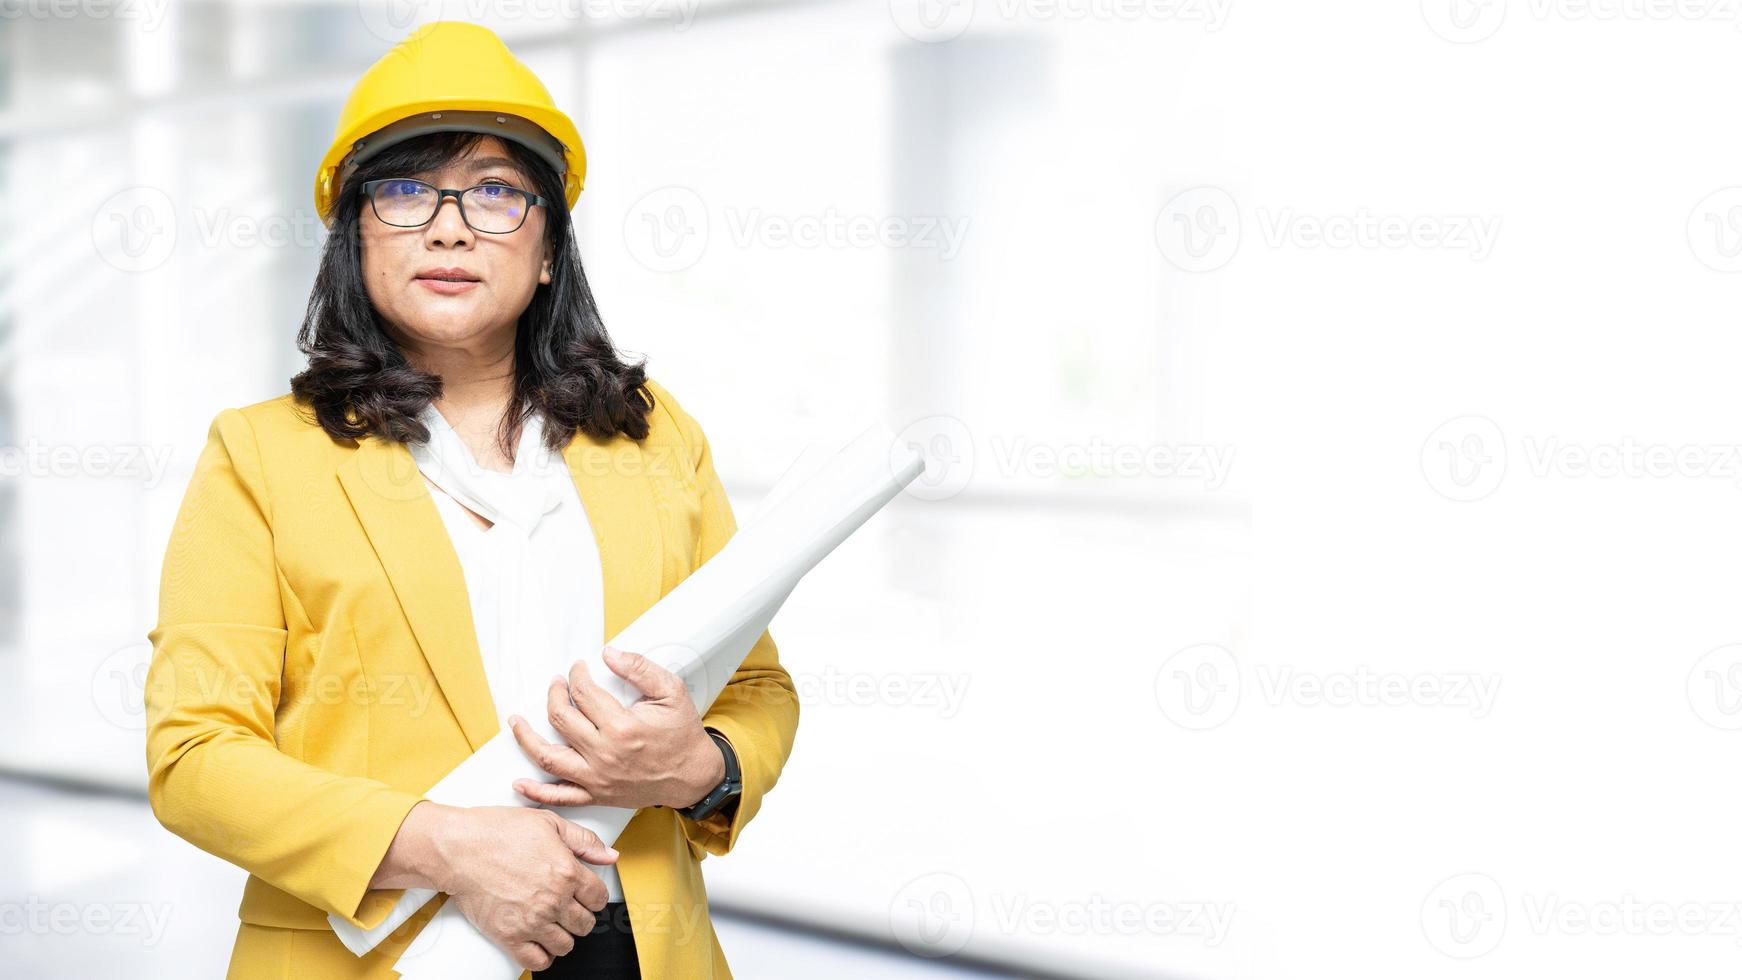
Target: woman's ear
x: 544, y: 272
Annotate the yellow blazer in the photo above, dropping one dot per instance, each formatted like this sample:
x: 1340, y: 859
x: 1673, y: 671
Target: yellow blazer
x: 315, y: 670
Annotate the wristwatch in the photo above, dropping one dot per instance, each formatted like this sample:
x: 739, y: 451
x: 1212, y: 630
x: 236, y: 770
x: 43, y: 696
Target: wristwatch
x: 727, y: 789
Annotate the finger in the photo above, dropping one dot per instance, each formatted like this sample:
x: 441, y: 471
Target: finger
x: 532, y: 956
x: 649, y: 678
x: 554, y: 938
x: 600, y: 707
x: 590, y: 891
x: 570, y: 722
x: 585, y: 844
x: 558, y: 760
x: 576, y: 918
x: 554, y: 794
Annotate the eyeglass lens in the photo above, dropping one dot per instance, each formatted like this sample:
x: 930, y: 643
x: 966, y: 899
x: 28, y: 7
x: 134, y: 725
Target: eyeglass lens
x: 489, y: 208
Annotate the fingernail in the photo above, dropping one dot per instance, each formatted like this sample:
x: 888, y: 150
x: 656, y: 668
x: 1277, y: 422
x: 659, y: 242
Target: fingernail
x: 513, y: 720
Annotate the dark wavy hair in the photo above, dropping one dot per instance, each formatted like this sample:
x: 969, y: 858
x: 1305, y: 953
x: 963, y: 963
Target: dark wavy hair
x: 359, y: 383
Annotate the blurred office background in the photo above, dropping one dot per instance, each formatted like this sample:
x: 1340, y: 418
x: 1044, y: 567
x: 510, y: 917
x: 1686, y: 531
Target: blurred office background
x: 1263, y: 613
x: 807, y: 216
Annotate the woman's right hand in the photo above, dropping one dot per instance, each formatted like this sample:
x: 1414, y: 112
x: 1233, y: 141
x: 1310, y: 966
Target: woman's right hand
x: 516, y: 873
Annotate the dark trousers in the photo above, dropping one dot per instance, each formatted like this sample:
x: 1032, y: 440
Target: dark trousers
x: 606, y: 953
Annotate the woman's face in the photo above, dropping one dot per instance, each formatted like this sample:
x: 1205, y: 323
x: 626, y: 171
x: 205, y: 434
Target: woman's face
x: 400, y: 264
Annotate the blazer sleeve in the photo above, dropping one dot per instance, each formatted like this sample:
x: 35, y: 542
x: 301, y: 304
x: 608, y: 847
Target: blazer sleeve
x: 758, y: 709
x: 217, y: 778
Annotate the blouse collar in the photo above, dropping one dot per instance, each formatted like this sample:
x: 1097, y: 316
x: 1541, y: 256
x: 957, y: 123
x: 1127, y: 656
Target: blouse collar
x: 519, y: 498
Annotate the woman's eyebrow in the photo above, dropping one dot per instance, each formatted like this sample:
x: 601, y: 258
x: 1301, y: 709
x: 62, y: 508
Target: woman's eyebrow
x: 490, y: 163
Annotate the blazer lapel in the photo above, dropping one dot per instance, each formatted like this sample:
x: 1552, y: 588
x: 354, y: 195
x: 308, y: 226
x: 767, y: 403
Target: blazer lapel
x: 609, y: 473
x: 400, y: 517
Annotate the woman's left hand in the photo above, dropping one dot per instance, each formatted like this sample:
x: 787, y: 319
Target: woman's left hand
x: 653, y: 752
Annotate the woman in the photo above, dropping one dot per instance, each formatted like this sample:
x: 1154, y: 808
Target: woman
x: 466, y: 487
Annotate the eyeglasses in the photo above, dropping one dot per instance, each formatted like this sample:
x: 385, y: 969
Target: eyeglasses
x: 407, y: 203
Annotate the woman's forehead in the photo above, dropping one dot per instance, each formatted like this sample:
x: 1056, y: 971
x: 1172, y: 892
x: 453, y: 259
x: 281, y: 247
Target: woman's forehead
x: 486, y: 155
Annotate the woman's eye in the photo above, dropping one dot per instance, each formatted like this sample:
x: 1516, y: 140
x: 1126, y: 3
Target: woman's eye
x: 404, y: 187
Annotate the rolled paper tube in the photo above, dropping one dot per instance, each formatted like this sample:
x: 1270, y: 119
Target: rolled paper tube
x: 701, y: 631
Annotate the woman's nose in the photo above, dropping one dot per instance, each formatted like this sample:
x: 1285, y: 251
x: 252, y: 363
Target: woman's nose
x: 448, y: 227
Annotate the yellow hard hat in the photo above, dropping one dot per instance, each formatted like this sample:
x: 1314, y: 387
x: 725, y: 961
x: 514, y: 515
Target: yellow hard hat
x: 449, y: 75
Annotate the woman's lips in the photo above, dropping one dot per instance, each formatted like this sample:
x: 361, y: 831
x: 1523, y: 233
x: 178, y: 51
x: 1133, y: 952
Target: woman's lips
x: 447, y: 287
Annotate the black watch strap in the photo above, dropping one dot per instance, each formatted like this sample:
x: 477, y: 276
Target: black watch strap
x: 725, y: 790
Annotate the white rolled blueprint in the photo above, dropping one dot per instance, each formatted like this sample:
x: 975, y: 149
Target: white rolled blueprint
x: 701, y: 631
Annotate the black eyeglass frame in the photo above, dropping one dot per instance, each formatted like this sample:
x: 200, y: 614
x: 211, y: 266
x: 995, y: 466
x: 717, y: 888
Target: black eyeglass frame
x: 442, y: 194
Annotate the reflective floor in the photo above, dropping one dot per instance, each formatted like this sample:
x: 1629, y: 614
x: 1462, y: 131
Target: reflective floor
x: 91, y: 886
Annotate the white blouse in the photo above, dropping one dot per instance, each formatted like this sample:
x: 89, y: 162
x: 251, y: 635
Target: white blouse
x: 533, y: 577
